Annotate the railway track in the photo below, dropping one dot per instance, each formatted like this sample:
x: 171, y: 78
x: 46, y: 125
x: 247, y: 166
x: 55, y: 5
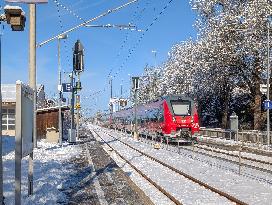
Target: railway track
x: 243, y: 161
x: 167, y: 194
x: 247, y: 161
x: 231, y: 147
x: 188, y: 177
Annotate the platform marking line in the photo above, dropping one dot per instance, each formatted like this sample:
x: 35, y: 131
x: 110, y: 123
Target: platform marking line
x: 99, y: 191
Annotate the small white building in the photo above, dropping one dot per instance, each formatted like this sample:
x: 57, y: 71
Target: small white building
x: 8, y: 106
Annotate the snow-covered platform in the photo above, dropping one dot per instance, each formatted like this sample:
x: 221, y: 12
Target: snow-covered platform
x: 81, y: 173
x: 103, y: 182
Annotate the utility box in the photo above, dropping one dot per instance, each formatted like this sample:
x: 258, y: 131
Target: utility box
x: 234, y: 126
x: 72, y: 136
x: 52, y: 135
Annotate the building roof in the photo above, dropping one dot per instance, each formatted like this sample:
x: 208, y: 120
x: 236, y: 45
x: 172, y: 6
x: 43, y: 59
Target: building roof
x: 53, y: 109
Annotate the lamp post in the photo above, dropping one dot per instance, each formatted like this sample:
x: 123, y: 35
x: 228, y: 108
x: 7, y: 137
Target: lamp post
x: 268, y: 83
x: 63, y: 36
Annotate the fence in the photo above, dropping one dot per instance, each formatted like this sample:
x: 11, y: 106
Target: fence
x: 253, y: 136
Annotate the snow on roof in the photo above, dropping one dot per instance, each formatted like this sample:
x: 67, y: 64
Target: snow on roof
x: 12, y: 7
x: 9, y: 92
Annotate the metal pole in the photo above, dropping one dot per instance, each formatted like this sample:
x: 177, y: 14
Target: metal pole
x: 59, y: 87
x: 77, y: 118
x: 155, y: 56
x: 111, y: 103
x: 135, y: 115
x: 32, y: 84
x: 268, y: 83
x: 1, y: 141
x: 72, y: 102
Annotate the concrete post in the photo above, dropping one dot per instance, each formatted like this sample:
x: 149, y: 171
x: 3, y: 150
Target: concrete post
x: 32, y: 84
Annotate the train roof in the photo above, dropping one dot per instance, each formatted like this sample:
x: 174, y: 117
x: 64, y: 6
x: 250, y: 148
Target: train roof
x: 175, y: 97
x: 166, y: 97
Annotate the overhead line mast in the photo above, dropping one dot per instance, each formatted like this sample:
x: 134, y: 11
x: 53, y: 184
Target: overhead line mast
x: 87, y: 22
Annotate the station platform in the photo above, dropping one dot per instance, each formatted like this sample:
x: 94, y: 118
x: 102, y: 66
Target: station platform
x: 100, y: 180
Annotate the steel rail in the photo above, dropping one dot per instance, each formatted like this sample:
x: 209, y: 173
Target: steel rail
x: 233, y: 155
x: 228, y: 160
x: 213, y: 189
x: 171, y: 197
x: 231, y: 161
x: 245, y: 149
x: 87, y: 22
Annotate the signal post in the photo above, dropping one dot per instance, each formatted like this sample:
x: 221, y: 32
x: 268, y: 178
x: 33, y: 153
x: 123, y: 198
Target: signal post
x: 78, y: 67
x: 135, y: 81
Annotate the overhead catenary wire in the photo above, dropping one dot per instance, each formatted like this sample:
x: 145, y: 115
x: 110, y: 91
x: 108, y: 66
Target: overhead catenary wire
x: 69, y: 10
x: 61, y: 27
x: 124, y: 43
x: 134, y: 18
x: 141, y: 37
x: 139, y: 41
x: 121, y: 27
x: 125, y: 27
x: 88, y: 21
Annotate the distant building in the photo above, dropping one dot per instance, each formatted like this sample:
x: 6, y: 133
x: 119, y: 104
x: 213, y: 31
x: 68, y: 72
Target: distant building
x: 9, y: 103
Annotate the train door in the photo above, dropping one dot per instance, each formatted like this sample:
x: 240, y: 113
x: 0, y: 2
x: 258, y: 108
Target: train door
x: 166, y: 125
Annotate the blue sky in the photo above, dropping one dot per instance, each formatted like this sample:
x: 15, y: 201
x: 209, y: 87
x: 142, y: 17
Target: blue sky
x: 105, y: 49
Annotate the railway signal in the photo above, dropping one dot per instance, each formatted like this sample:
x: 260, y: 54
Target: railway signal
x: 78, y: 62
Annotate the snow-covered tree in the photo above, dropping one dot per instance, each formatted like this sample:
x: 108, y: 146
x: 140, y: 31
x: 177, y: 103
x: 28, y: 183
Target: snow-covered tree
x: 224, y: 67
x: 236, y: 30
x: 149, y: 84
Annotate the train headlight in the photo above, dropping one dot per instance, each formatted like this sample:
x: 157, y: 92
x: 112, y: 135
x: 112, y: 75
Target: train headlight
x: 174, y: 119
x: 192, y: 120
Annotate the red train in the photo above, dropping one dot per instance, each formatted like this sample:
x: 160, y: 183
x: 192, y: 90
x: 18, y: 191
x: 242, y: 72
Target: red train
x: 169, y: 116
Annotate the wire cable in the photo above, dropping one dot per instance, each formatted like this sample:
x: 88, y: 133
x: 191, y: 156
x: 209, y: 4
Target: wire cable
x: 139, y: 41
x: 62, y: 30
x: 88, y: 21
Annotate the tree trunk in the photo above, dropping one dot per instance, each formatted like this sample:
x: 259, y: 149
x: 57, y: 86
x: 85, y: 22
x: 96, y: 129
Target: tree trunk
x: 225, y: 97
x: 224, y: 124
x: 257, y: 110
x: 257, y: 101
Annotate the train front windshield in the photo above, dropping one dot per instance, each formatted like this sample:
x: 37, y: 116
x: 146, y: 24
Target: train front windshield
x: 182, y: 108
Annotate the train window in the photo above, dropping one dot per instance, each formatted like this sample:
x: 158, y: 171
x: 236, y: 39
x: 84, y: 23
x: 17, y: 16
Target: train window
x: 181, y: 107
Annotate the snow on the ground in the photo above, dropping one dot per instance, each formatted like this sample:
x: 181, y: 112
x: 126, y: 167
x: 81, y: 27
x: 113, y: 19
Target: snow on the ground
x: 219, y: 174
x: 51, y: 170
x: 177, y: 185
x: 155, y: 196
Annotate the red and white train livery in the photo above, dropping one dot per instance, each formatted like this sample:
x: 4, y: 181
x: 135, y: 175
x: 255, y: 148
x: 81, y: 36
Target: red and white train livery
x: 169, y: 116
